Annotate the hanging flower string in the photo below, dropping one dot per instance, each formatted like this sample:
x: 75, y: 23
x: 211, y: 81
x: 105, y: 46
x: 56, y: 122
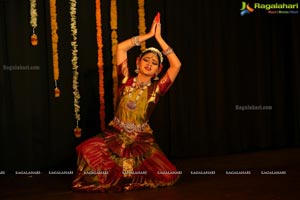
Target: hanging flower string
x: 100, y: 63
x: 33, y: 22
x: 142, y: 23
x: 54, y: 46
x: 76, y: 94
x: 114, y: 42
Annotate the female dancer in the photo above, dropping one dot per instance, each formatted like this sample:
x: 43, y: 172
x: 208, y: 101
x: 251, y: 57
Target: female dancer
x: 126, y: 157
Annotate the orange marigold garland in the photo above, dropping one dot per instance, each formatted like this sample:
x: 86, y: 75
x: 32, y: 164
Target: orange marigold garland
x: 54, y: 46
x: 76, y: 94
x: 33, y: 22
x: 142, y: 23
x: 100, y: 63
x: 114, y: 42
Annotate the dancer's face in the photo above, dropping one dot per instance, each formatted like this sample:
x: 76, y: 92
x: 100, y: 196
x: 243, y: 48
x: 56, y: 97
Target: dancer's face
x: 149, y: 64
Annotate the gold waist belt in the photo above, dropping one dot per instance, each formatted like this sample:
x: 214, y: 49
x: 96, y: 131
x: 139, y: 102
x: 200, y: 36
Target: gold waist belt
x: 130, y: 126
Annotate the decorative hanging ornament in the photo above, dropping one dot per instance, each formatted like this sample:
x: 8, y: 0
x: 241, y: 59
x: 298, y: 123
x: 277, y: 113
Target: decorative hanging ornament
x: 114, y: 43
x: 142, y: 23
x: 76, y: 94
x: 56, y: 90
x: 54, y: 38
x: 34, y: 39
x: 100, y: 63
x: 77, y: 131
x: 33, y: 22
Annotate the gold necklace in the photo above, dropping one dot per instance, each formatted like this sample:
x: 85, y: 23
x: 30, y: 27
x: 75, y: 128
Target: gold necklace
x: 131, y: 104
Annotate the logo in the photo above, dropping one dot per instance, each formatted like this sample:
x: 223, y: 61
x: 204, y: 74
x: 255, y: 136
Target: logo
x: 246, y: 9
x: 270, y: 8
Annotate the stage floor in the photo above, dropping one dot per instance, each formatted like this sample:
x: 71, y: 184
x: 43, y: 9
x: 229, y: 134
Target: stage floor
x: 264, y: 175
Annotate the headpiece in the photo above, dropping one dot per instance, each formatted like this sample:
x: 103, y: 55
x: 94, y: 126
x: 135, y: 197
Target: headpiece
x: 155, y: 51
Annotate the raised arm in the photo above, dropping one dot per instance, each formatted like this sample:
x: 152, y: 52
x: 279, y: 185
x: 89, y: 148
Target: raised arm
x: 126, y: 45
x: 174, y: 61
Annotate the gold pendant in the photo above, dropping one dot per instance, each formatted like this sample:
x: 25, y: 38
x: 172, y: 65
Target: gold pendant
x: 131, y: 105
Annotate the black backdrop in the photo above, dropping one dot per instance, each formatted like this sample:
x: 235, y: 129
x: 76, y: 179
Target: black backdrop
x: 228, y: 60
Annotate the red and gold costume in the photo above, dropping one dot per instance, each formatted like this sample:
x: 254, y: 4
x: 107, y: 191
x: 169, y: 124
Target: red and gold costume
x: 126, y: 156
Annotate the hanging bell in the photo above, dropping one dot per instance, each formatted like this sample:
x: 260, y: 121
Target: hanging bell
x: 34, y: 39
x: 56, y: 92
x: 77, y: 132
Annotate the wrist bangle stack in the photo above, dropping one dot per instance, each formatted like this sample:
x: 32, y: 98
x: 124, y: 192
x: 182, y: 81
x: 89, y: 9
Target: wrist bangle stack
x: 135, y: 41
x: 168, y: 51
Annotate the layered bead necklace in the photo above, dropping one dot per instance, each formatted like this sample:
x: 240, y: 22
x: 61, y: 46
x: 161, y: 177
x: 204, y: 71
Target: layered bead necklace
x: 131, y: 104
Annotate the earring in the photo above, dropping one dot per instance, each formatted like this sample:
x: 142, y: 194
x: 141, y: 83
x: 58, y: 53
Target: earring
x: 137, y: 70
x: 156, y: 78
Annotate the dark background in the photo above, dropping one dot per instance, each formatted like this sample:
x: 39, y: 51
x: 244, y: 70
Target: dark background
x: 227, y: 60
